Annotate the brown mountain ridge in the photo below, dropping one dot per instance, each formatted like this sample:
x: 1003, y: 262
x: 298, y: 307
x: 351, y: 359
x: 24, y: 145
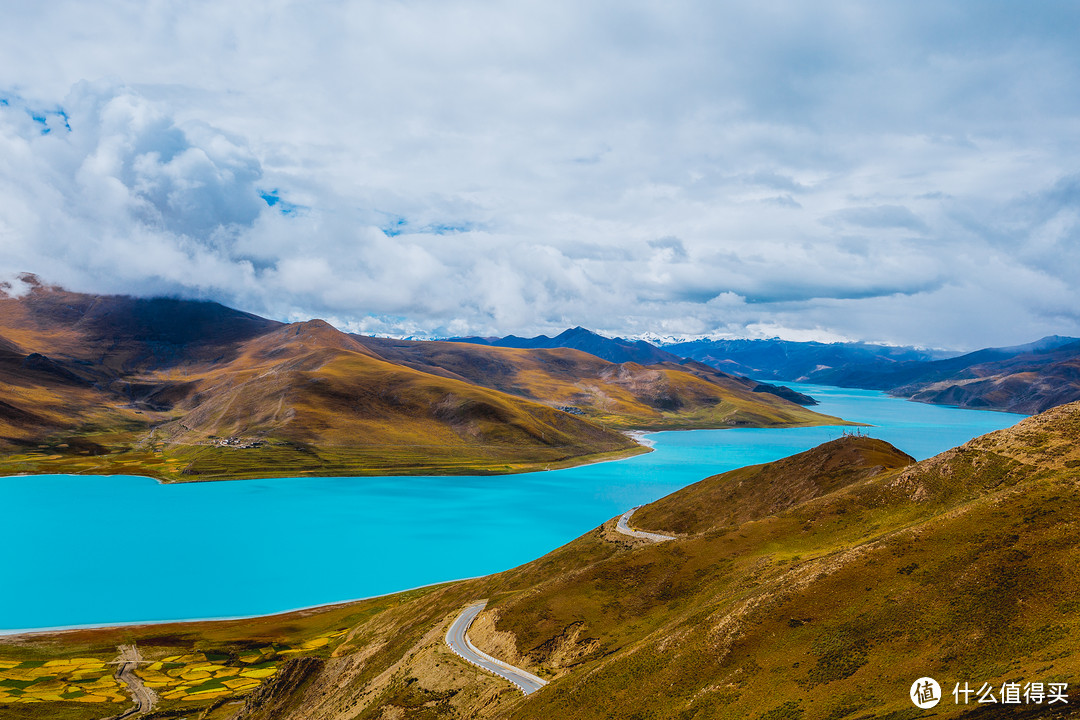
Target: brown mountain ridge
x: 184, y: 390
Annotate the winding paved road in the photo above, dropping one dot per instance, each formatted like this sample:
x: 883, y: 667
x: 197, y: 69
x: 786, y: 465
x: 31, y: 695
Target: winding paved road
x: 457, y: 637
x: 143, y: 696
x: 625, y: 529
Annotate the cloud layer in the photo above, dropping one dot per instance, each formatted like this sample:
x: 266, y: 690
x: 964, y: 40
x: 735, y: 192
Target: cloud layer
x: 902, y: 172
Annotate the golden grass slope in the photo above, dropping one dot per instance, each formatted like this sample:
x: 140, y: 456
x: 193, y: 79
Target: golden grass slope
x: 184, y: 390
x: 627, y: 395
x: 310, y: 389
x: 822, y: 587
x: 306, y: 399
x: 962, y: 567
x: 757, y: 491
x: 180, y: 390
x: 72, y: 365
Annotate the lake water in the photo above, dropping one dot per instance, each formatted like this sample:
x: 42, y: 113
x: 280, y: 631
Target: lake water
x: 104, y: 550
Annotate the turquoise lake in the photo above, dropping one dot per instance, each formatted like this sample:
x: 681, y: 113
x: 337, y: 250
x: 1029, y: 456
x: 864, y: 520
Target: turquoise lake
x: 107, y: 550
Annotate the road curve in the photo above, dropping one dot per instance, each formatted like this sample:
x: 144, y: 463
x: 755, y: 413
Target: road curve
x: 625, y: 529
x: 457, y: 637
x: 143, y: 696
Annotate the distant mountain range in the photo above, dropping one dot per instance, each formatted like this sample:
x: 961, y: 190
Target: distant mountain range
x: 184, y: 390
x: 1018, y: 380
x: 1025, y: 378
x: 616, y: 350
x: 786, y: 360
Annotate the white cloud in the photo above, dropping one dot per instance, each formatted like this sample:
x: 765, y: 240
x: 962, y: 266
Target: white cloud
x: 893, y: 172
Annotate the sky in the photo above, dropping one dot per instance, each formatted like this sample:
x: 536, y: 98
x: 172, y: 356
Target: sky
x: 901, y: 172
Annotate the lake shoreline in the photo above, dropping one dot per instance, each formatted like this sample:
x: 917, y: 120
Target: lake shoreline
x: 38, y: 633
x: 324, y: 541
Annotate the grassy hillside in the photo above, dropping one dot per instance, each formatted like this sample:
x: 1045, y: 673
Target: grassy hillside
x: 314, y: 398
x: 188, y: 391
x: 757, y: 491
x: 182, y: 390
x: 664, y: 395
x: 301, y: 400
x: 962, y: 567
x: 819, y: 586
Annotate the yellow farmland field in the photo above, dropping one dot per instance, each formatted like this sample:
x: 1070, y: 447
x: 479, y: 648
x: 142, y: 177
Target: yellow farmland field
x: 193, y: 658
x: 241, y: 683
x: 209, y: 693
x: 91, y: 699
x: 196, y: 675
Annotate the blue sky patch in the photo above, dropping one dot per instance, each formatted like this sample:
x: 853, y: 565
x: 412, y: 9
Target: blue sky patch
x: 273, y: 199
x: 395, y: 226
x: 398, y: 225
x: 41, y: 117
x: 445, y: 229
